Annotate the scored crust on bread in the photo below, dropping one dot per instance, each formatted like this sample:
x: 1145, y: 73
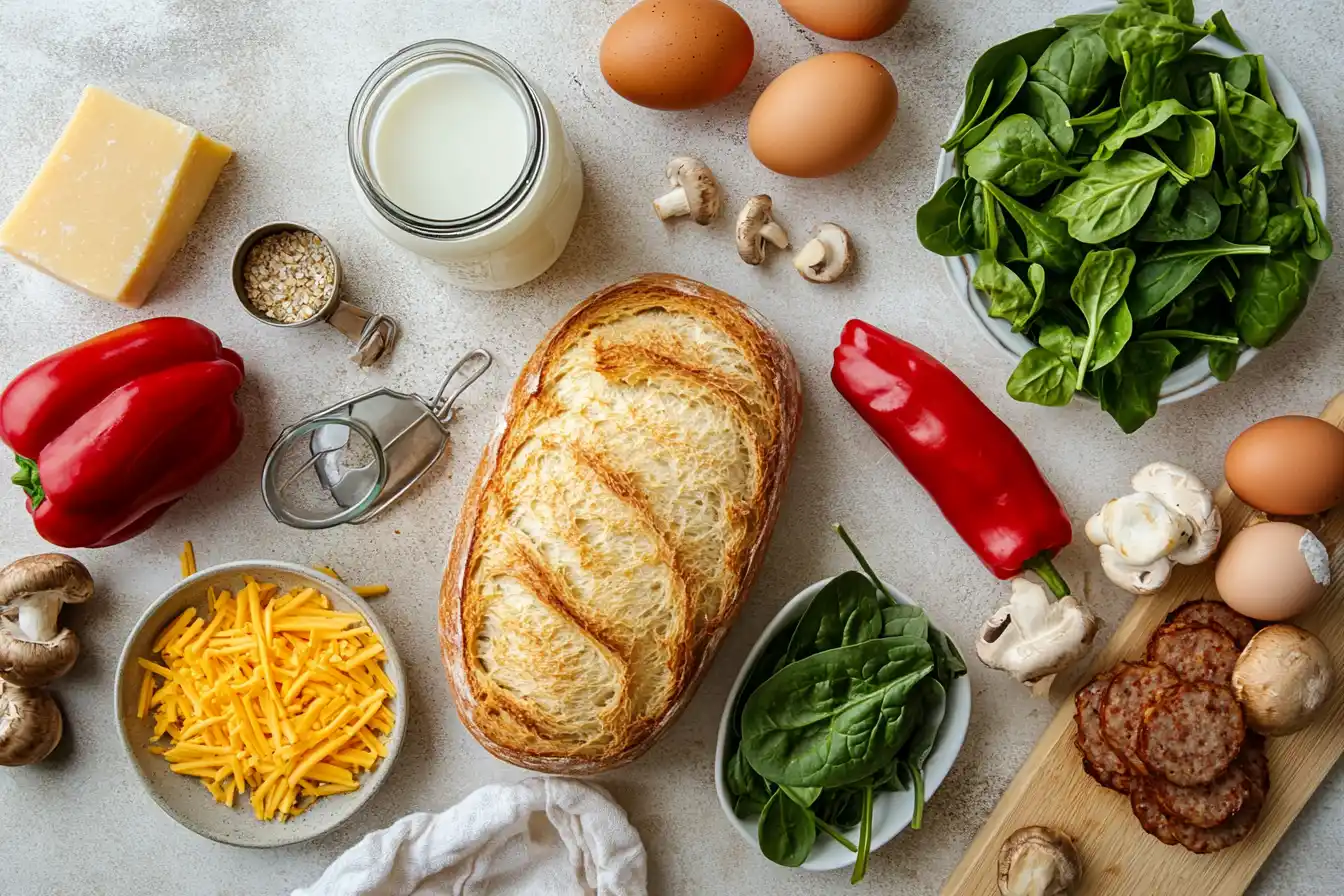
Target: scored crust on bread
x: 616, y: 522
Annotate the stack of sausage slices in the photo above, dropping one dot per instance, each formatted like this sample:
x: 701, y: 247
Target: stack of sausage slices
x: 1169, y: 732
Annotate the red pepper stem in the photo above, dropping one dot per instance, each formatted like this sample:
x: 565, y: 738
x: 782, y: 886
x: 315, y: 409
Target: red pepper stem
x: 1041, y: 565
x: 28, y: 479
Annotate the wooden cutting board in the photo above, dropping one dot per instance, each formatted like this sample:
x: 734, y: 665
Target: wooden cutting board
x: 1119, y: 858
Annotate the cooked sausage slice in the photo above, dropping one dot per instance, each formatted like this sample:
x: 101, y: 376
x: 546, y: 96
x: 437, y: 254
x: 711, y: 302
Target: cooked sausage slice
x: 1099, y: 760
x: 1208, y: 805
x: 1229, y: 833
x: 1149, y: 812
x: 1195, y: 652
x: 1218, y: 614
x: 1191, y: 733
x: 1133, y: 686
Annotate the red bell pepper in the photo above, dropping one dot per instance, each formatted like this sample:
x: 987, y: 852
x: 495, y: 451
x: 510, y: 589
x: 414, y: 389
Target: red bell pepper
x: 969, y: 461
x: 111, y: 432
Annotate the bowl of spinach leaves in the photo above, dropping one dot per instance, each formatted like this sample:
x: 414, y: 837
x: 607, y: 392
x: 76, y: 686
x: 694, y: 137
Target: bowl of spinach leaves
x: 846, y: 717
x: 1131, y: 204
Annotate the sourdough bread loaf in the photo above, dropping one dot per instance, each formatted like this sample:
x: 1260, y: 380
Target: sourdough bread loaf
x: 616, y: 522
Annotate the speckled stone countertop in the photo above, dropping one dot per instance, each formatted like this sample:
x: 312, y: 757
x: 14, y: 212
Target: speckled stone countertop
x: 275, y: 80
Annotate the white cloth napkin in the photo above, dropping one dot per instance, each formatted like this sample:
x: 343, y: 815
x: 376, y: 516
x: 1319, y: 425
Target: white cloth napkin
x: 539, y: 837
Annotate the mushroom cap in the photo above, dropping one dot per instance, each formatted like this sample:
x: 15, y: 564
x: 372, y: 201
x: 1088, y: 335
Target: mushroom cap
x: 44, y: 573
x: 1282, y: 679
x: 1038, y: 861
x: 836, y: 259
x: 704, y: 197
x: 30, y: 725
x: 31, y: 664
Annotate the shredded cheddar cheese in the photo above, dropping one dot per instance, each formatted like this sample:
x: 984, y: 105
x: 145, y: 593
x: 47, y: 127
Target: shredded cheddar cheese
x: 361, y: 590
x: 188, y: 559
x: 272, y: 697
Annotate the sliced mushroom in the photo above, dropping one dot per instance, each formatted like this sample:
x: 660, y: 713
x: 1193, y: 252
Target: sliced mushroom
x: 755, y: 227
x: 1170, y: 519
x: 695, y: 192
x: 30, y: 725
x: 827, y: 256
x: 1033, y: 637
x: 33, y: 649
x: 1039, y: 861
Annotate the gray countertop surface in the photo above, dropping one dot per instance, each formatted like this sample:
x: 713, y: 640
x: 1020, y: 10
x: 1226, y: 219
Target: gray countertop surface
x: 275, y: 80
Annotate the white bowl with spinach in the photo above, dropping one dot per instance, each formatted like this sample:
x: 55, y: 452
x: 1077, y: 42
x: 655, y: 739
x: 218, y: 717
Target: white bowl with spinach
x: 1189, y: 170
x: 841, y: 657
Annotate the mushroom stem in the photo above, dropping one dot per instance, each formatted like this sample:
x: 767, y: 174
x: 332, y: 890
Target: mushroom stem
x: 775, y: 234
x: 672, y: 205
x: 812, y: 255
x: 38, y: 614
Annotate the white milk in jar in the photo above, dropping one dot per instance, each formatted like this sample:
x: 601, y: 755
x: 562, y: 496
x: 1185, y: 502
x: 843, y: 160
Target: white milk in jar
x: 460, y: 159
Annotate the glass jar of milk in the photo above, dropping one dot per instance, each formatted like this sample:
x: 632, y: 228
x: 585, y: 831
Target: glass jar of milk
x: 462, y: 160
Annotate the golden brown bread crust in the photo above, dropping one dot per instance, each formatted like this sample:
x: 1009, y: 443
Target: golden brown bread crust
x: 516, y: 729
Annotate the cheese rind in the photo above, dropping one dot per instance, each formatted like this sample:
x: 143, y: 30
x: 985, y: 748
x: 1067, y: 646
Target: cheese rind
x: 115, y: 199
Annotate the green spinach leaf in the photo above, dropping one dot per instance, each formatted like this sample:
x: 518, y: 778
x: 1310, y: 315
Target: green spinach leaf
x: 1099, y: 286
x: 1271, y: 294
x: 1113, y: 335
x: 1048, y: 240
x: 933, y: 701
x: 1147, y: 80
x: 845, y: 611
x: 1285, y: 230
x: 1253, y: 133
x: 1139, y: 30
x: 991, y: 79
x: 904, y: 621
x: 831, y: 719
x: 1043, y: 377
x: 948, y: 663
x: 1165, y: 275
x: 939, y: 222
x: 1319, y: 244
x: 1221, y: 28
x: 1180, y: 214
x: 1223, y: 360
x: 1130, y: 387
x: 1150, y: 118
x: 1050, y: 112
x: 786, y: 831
x: 1075, y: 67
x: 1018, y: 156
x: 1110, y: 198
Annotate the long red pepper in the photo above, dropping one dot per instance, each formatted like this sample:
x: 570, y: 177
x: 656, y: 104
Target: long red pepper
x: 969, y: 461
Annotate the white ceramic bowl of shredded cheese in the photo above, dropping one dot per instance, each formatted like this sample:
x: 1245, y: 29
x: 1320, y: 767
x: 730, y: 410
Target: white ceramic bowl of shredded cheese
x: 183, y: 797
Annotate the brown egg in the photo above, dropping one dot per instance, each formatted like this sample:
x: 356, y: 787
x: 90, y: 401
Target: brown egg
x: 1273, y: 571
x: 847, y: 19
x: 1288, y: 466
x: 677, y: 54
x: 824, y: 115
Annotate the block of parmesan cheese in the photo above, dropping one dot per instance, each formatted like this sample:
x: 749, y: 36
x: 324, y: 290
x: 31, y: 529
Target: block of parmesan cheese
x: 115, y: 199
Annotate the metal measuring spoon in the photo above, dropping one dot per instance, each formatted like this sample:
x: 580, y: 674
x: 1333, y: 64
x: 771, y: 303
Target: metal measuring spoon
x: 372, y: 334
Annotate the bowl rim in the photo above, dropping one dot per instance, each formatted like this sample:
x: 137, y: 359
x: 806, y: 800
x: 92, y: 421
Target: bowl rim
x: 947, y: 748
x: 1196, y: 377
x: 392, y: 663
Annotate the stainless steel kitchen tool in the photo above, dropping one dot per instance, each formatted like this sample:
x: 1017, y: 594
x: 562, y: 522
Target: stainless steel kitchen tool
x: 372, y: 334
x: 351, y: 461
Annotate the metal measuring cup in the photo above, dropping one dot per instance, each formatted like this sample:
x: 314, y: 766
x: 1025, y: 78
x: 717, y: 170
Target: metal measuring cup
x: 372, y: 334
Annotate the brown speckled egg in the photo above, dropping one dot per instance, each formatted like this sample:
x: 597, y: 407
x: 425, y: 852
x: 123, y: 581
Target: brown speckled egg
x: 677, y: 54
x: 847, y: 19
x: 1288, y: 466
x: 824, y: 115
